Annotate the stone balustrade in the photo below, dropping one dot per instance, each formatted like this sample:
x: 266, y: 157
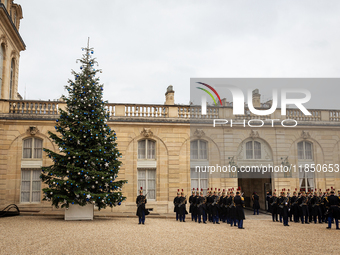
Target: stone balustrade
x: 183, y: 112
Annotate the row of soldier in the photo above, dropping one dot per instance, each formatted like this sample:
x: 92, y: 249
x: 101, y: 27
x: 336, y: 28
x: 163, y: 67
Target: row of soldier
x: 318, y: 207
x: 214, y: 207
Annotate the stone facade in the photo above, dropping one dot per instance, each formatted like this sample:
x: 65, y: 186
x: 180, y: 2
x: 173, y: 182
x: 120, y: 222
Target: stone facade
x: 169, y: 128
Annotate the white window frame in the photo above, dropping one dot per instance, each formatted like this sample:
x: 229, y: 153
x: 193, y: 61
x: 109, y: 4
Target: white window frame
x: 305, y: 178
x: 147, y: 145
x: 304, y: 150
x: 147, y: 178
x: 30, y: 186
x: 199, y: 179
x: 199, y: 148
x: 33, y: 152
x: 253, y: 150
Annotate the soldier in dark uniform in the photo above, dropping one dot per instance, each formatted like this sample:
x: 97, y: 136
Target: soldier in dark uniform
x: 316, y: 211
x: 310, y: 208
x: 256, y: 203
x: 303, y: 204
x: 201, y: 203
x: 208, y: 205
x: 239, y: 203
x: 223, y: 209
x: 141, y: 201
x: 268, y: 197
x: 279, y: 209
x: 232, y: 209
x: 176, y: 203
x: 182, y: 207
x: 214, y: 207
x: 192, y: 208
x: 196, y: 202
x: 284, y: 205
x: 295, y: 207
x: 332, y: 205
x: 274, y: 205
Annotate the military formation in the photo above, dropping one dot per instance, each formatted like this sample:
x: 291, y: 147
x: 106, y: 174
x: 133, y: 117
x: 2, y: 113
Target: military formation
x: 313, y: 206
x: 215, y: 207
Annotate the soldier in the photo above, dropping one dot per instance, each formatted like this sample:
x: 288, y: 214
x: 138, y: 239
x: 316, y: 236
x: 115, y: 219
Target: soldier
x: 332, y: 205
x: 141, y: 201
x: 284, y: 205
x: 295, y: 206
x: 232, y: 209
x: 268, y: 197
x: 214, y: 207
x: 192, y: 208
x: 226, y: 205
x: 223, y: 209
x: 201, y: 203
x: 316, y: 211
x: 303, y: 204
x: 182, y: 207
x: 256, y: 204
x: 274, y: 205
x: 279, y: 209
x: 176, y: 203
x: 239, y: 203
x: 208, y: 205
x: 196, y: 202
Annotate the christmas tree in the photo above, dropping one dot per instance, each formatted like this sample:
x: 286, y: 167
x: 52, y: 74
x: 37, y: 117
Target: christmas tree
x: 87, y: 166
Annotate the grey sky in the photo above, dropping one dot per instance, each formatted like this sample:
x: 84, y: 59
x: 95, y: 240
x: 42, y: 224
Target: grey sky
x: 144, y: 46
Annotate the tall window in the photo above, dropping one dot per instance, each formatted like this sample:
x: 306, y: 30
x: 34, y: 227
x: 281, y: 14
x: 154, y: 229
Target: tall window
x: 199, y: 180
x: 147, y: 180
x: 306, y: 179
x: 198, y: 149
x: 305, y: 150
x: 146, y: 149
x: 11, y: 83
x: 2, y: 52
x: 253, y: 150
x: 30, y: 186
x: 32, y: 148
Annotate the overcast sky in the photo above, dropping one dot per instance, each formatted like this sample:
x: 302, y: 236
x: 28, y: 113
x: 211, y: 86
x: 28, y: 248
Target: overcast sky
x: 144, y: 46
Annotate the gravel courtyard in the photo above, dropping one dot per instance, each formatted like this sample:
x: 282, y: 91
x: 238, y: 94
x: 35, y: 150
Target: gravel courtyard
x: 112, y: 235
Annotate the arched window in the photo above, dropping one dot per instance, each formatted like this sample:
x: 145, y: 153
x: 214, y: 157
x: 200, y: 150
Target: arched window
x: 32, y: 148
x: 146, y: 149
x: 198, y: 149
x: 11, y: 83
x: 253, y: 150
x: 2, y: 53
x: 305, y: 150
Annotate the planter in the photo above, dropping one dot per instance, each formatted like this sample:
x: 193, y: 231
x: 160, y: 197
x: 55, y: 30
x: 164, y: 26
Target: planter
x: 77, y: 212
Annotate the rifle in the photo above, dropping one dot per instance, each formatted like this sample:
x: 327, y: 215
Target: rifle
x: 215, y: 200
x: 183, y: 202
x: 232, y: 204
x: 202, y: 202
x: 274, y: 201
x: 143, y: 201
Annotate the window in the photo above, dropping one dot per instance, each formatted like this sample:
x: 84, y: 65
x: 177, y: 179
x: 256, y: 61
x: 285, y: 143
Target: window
x: 199, y: 180
x: 2, y: 53
x: 305, y: 150
x: 11, y: 82
x: 32, y: 148
x: 306, y: 179
x: 30, y: 186
x: 198, y: 149
x: 146, y: 149
x: 147, y: 180
x: 253, y: 150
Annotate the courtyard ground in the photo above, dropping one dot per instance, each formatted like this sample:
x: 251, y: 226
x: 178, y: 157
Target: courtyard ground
x: 116, y: 235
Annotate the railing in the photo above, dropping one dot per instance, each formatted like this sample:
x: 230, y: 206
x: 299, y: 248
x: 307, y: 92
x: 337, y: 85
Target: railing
x: 298, y: 115
x: 34, y: 107
x: 183, y: 112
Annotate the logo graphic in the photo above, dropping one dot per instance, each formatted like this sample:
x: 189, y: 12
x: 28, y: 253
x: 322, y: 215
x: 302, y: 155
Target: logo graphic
x: 204, y: 100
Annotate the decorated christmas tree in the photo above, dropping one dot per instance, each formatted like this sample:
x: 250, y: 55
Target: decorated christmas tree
x: 86, y: 168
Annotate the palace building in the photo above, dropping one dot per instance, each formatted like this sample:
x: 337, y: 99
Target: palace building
x: 161, y: 146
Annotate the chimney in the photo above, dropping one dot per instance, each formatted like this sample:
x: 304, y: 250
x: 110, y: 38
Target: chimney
x: 256, y: 98
x: 170, y: 96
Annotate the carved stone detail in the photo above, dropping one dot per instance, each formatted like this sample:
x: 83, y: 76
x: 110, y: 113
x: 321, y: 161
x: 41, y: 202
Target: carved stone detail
x: 254, y: 134
x: 305, y: 135
x: 199, y: 133
x: 146, y: 132
x: 32, y: 130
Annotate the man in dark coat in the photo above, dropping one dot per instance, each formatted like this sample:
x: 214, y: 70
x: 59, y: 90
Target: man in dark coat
x: 176, y: 203
x: 284, y: 205
x: 295, y: 207
x: 239, y: 203
x: 192, y: 208
x: 232, y: 209
x: 182, y: 207
x: 316, y: 211
x: 332, y: 205
x: 268, y: 197
x: 303, y: 204
x: 223, y: 209
x: 214, y: 207
x: 208, y: 205
x: 274, y: 205
x: 256, y: 203
x: 141, y: 201
x: 201, y: 203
